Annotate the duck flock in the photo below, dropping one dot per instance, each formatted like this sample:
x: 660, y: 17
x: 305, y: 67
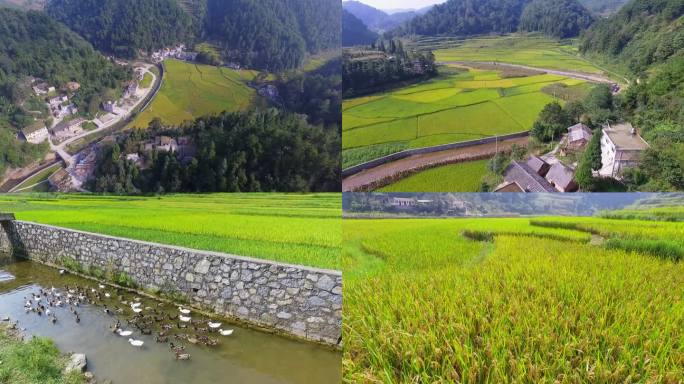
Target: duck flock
x: 170, y: 327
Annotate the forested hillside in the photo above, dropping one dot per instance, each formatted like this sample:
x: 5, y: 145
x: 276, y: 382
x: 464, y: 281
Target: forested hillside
x: 354, y: 31
x: 376, y: 19
x: 238, y: 152
x: 474, y: 17
x: 273, y: 34
x: 32, y: 44
x: 558, y: 18
x: 123, y: 27
x: 641, y: 34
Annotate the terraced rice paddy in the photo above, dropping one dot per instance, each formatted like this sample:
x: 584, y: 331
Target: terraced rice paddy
x: 190, y: 91
x: 533, y: 51
x: 461, y: 177
x: 539, y: 302
x: 459, y: 105
x: 299, y: 229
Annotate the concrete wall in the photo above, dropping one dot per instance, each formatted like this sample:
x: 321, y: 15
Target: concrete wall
x: 410, y: 152
x: 300, y: 301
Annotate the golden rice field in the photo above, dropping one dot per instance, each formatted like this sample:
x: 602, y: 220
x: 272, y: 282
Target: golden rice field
x: 191, y: 90
x: 542, y: 302
x: 299, y: 229
x: 461, y: 104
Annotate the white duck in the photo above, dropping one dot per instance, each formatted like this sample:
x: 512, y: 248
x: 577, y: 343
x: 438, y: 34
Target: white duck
x: 136, y: 343
x: 227, y: 332
x: 101, y: 286
x: 124, y: 333
x: 214, y: 325
x: 137, y: 310
x: 135, y: 305
x: 185, y: 319
x: 107, y: 295
x: 184, y: 311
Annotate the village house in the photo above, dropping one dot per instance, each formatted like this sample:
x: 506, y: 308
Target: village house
x: 562, y: 178
x: 621, y: 148
x: 401, y: 202
x: 528, y: 176
x: 58, y: 100
x: 66, y: 129
x: 130, y: 89
x: 108, y: 106
x: 73, y: 86
x: 42, y: 88
x: 35, y: 133
x: 579, y: 135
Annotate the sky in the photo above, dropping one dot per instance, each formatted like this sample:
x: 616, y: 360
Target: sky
x: 400, y: 4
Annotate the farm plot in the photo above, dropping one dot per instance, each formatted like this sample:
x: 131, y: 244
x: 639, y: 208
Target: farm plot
x: 190, y: 91
x: 299, y: 229
x: 533, y: 51
x: 425, y: 303
x: 461, y: 177
x: 465, y: 105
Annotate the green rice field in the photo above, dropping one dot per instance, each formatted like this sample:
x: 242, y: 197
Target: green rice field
x: 191, y: 90
x: 529, y: 50
x: 461, y: 104
x: 461, y: 177
x: 513, y: 300
x: 299, y: 229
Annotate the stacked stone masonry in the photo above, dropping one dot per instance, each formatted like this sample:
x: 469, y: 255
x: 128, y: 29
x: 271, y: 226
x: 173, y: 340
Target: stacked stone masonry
x: 300, y: 301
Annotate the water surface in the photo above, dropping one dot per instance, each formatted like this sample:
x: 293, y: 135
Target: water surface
x: 248, y: 356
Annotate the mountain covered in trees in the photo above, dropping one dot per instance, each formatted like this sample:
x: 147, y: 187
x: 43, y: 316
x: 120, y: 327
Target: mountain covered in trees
x: 236, y: 152
x: 273, y: 34
x: 34, y: 45
x: 382, y: 64
x: 641, y: 34
x: 355, y: 32
x: 123, y: 27
x: 375, y: 19
x: 562, y: 18
x: 558, y: 18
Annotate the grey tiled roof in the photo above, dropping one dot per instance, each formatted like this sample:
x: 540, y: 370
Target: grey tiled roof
x: 527, y: 178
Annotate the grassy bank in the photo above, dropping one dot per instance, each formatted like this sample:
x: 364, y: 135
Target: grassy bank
x: 461, y: 177
x: 299, y: 229
x: 424, y: 302
x: 36, y: 361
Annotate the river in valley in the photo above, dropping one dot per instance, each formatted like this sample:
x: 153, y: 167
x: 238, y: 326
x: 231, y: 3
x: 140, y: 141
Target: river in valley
x: 246, y: 356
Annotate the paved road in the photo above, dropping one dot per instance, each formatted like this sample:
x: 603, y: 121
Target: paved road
x: 61, y: 147
x: 591, y: 77
x: 373, y: 175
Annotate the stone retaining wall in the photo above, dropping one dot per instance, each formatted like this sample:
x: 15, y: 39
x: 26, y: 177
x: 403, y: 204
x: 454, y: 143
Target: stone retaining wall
x: 299, y: 301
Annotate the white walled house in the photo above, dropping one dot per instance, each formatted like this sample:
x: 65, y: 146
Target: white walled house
x: 36, y: 133
x: 621, y: 148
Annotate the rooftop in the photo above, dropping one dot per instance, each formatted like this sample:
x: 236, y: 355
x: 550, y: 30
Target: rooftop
x: 37, y: 126
x: 561, y: 176
x: 621, y: 135
x: 578, y: 132
x: 527, y: 178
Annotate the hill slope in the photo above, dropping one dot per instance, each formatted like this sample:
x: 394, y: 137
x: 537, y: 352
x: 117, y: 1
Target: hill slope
x: 32, y: 44
x: 354, y: 31
x: 475, y: 17
x: 123, y: 27
x: 273, y: 34
x: 376, y: 19
x: 641, y: 34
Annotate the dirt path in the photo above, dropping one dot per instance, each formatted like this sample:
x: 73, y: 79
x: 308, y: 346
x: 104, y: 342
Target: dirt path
x: 591, y: 77
x: 374, y: 175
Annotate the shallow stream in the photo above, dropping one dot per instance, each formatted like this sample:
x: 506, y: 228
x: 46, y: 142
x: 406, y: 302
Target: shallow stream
x: 247, y: 356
